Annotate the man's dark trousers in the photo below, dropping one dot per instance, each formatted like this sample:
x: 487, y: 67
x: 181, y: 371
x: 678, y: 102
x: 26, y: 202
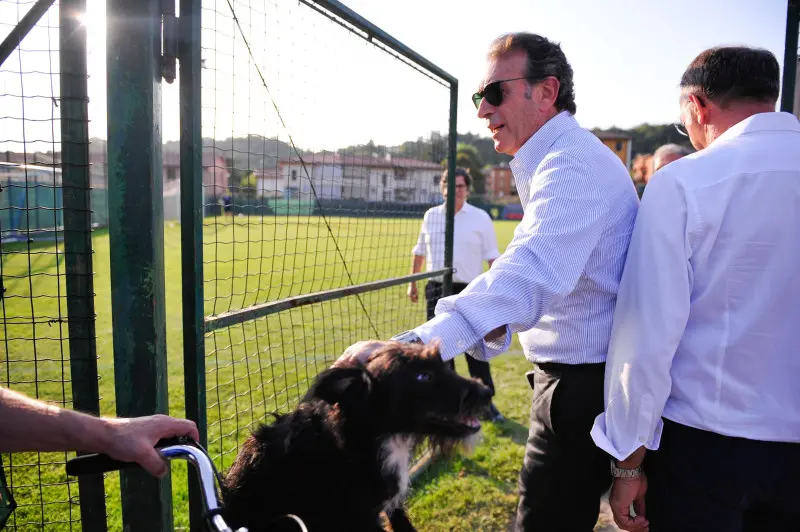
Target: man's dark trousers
x: 564, y: 473
x: 700, y: 480
x: 478, y: 369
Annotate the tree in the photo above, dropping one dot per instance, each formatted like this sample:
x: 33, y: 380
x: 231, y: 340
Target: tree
x: 248, y: 183
x: 647, y: 138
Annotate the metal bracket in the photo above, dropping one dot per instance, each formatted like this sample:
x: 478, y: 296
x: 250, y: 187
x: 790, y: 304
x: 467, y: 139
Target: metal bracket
x: 169, y: 46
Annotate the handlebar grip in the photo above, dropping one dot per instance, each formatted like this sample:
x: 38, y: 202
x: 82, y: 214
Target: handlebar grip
x: 88, y: 464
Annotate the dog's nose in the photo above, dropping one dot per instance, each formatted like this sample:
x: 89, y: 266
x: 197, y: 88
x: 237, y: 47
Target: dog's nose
x: 477, y: 394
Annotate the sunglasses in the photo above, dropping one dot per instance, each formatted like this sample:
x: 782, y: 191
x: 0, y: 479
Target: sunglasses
x: 493, y: 92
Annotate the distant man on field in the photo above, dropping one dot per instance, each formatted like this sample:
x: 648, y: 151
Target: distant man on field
x: 474, y: 241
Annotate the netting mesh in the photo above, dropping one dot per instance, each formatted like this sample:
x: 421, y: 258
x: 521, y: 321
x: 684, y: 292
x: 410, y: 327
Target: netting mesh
x: 33, y: 307
x: 314, y: 178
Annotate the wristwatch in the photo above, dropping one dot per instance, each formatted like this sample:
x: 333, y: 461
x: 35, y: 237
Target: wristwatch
x: 619, y: 472
x: 407, y: 337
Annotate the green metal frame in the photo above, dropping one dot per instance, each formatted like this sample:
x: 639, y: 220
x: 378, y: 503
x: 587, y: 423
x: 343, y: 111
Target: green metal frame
x: 76, y: 186
x: 191, y: 147
x: 220, y: 321
x: 136, y: 234
x: 790, y: 56
x: 20, y: 30
x: 450, y: 207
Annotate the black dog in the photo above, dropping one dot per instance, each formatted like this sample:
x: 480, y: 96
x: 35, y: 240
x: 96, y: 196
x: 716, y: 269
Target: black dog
x: 342, y: 457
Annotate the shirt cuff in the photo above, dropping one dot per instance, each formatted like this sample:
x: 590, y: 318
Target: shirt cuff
x: 497, y: 347
x: 454, y: 334
x: 601, y: 439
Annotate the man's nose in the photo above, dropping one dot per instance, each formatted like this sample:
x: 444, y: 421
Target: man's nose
x: 485, y: 109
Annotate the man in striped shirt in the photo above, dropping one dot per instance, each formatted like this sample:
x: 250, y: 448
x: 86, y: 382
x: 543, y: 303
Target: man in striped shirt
x: 555, y: 285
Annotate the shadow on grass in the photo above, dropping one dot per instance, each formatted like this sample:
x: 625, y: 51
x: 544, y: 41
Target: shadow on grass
x: 460, y: 464
x: 517, y: 432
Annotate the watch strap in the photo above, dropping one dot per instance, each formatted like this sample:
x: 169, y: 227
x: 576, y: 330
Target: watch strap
x: 621, y: 472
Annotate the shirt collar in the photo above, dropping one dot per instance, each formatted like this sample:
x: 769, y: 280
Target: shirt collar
x: 531, y: 154
x: 775, y: 121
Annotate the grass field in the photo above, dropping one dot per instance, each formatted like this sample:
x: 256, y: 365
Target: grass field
x: 258, y: 367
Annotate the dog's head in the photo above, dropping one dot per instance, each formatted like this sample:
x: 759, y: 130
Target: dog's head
x: 405, y: 389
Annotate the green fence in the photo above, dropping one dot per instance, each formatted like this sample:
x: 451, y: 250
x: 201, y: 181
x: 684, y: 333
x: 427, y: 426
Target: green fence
x: 47, y: 316
x: 299, y: 181
x: 325, y: 186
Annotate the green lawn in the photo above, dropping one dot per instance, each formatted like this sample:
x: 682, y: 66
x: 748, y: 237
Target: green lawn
x: 255, y: 368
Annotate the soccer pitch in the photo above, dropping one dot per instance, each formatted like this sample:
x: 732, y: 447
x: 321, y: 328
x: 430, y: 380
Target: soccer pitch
x: 247, y: 261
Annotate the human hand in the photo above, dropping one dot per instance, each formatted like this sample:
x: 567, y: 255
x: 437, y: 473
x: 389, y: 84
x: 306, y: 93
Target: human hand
x: 412, y: 292
x: 358, y: 353
x: 133, y: 439
x: 624, y: 492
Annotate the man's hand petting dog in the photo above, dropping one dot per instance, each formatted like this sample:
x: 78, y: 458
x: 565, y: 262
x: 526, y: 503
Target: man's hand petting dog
x: 358, y: 353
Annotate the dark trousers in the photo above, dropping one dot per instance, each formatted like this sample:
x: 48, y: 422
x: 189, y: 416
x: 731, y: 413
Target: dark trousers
x: 564, y: 473
x: 700, y: 480
x: 478, y: 369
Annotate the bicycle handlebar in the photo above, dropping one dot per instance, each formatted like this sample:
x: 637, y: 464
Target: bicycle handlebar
x: 171, y: 449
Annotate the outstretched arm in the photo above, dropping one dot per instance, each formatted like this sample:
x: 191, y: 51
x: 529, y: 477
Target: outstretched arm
x: 30, y: 425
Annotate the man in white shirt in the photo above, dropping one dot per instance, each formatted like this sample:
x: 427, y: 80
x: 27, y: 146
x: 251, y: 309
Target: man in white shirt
x: 555, y: 284
x: 705, y: 330
x: 474, y: 241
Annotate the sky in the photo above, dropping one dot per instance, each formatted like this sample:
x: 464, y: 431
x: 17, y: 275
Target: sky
x: 333, y: 89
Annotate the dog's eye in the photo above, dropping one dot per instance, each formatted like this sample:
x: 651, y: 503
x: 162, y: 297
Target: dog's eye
x: 424, y: 376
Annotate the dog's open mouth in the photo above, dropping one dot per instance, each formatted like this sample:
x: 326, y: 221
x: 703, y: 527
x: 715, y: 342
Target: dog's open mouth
x: 459, y: 427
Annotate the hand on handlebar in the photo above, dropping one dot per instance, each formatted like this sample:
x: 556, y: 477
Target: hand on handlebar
x: 133, y: 440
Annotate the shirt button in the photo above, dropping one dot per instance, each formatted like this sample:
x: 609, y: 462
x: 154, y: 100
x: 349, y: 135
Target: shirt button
x: 641, y: 439
x: 460, y: 344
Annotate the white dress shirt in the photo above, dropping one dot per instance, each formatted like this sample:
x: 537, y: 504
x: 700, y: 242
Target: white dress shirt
x: 706, y: 328
x: 474, y: 241
x: 557, y: 280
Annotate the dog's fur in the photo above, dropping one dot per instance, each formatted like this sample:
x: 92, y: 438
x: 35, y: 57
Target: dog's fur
x: 342, y: 457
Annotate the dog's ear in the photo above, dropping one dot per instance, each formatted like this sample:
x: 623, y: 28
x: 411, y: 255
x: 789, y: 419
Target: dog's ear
x: 345, y: 386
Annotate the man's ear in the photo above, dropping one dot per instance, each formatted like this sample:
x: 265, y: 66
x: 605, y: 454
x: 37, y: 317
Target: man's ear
x: 344, y: 386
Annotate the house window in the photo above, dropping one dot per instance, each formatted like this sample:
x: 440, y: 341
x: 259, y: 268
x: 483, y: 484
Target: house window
x: 619, y: 145
x: 294, y: 175
x: 383, y: 179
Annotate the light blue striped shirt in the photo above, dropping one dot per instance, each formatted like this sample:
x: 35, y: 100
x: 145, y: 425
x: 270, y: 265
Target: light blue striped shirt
x: 556, y: 284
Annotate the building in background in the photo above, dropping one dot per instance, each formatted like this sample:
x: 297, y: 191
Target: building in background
x: 500, y: 184
x: 619, y: 143
x: 369, y: 178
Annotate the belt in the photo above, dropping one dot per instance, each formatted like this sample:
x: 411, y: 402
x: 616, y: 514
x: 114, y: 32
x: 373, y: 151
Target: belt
x: 557, y: 367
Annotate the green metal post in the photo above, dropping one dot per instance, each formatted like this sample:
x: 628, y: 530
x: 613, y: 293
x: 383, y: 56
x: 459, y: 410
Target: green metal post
x: 76, y: 187
x: 450, y: 205
x: 192, y: 236
x: 790, y: 56
x: 136, y: 232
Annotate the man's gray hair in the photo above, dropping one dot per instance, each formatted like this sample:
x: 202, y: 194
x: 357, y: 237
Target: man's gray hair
x: 670, y: 149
